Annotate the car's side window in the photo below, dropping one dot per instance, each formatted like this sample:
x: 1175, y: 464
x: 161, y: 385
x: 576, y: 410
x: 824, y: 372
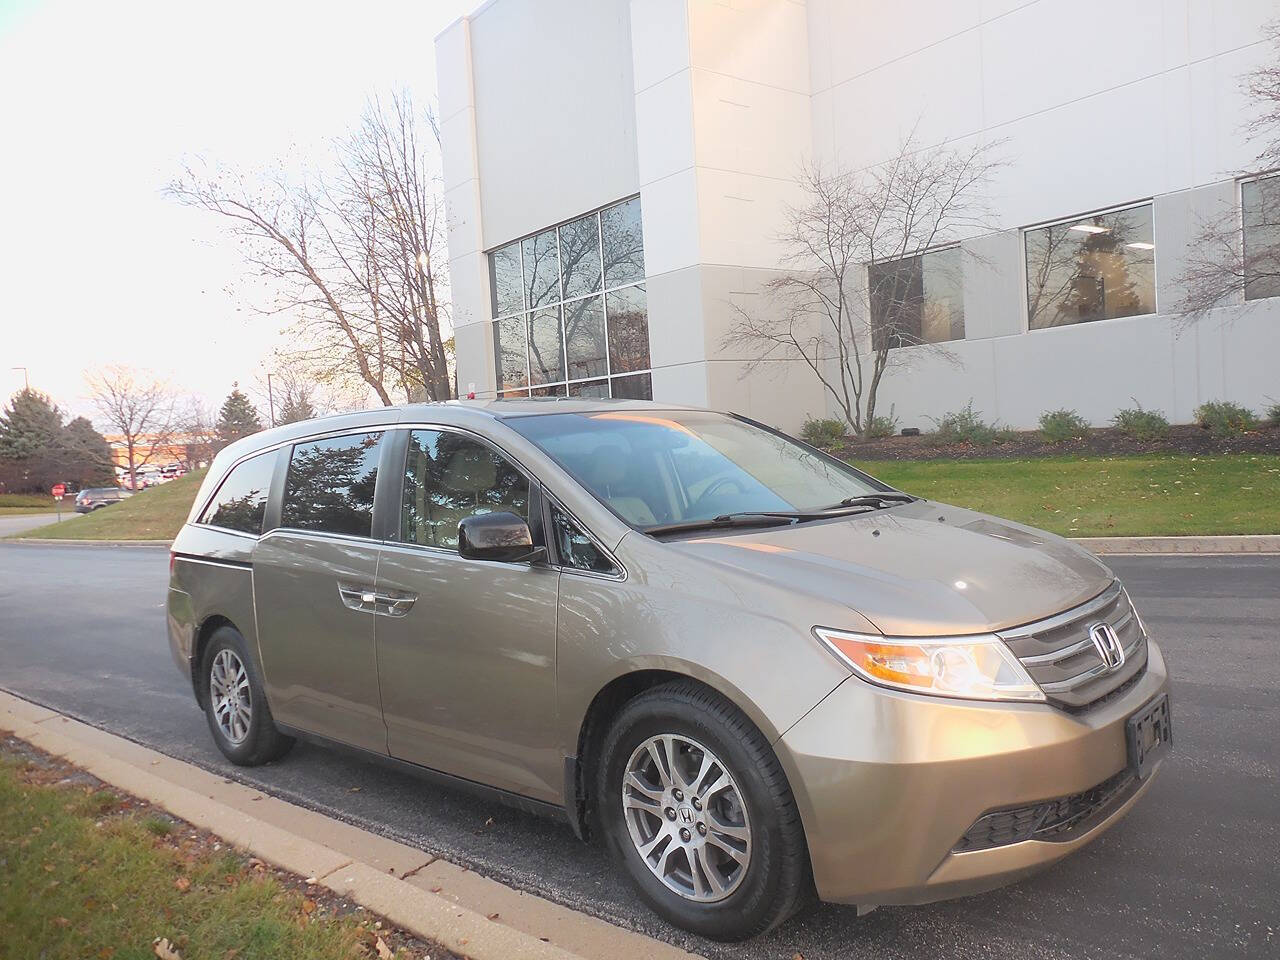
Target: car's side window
x: 241, y: 500
x: 449, y: 476
x: 575, y: 547
x: 330, y: 485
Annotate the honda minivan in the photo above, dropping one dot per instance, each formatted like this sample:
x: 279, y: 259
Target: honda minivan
x: 753, y: 672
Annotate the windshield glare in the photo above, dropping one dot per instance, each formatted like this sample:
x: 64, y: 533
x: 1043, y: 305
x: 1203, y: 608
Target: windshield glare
x: 659, y: 468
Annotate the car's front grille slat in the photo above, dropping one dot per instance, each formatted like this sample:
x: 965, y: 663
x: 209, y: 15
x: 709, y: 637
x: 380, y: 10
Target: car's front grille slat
x: 1061, y: 657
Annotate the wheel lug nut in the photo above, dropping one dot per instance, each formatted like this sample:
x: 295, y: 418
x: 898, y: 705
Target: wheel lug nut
x: 677, y: 794
x: 697, y: 804
x: 685, y: 835
x: 702, y: 829
x: 670, y: 812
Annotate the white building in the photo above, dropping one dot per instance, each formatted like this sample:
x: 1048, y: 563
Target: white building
x: 677, y: 127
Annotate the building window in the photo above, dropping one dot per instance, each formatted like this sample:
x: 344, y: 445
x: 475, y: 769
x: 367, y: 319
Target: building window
x: 569, y: 309
x: 917, y: 299
x: 1097, y: 267
x: 1260, y: 210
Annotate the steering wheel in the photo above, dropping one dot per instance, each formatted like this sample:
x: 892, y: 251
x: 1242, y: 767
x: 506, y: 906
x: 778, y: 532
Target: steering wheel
x: 714, y: 488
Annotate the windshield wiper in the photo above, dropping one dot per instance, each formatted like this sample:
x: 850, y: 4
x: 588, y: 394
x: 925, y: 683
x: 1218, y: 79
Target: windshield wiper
x: 874, y: 500
x: 751, y: 518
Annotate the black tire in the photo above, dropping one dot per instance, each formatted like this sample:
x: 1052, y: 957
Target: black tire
x: 777, y: 881
x: 262, y: 742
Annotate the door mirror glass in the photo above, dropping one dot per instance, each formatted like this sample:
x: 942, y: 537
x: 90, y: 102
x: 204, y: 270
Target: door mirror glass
x: 495, y: 536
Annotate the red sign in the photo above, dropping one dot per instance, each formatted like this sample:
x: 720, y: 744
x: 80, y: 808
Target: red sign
x: 59, y: 490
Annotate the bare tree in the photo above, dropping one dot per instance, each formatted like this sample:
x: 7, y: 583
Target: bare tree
x: 850, y: 292
x: 356, y: 257
x: 1223, y: 268
x: 140, y: 410
x: 198, y: 433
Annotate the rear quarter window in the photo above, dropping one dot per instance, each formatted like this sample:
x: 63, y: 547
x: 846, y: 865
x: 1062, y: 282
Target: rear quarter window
x: 241, y: 500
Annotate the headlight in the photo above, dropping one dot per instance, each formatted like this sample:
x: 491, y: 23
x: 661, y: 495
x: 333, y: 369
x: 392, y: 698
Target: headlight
x: 975, y: 668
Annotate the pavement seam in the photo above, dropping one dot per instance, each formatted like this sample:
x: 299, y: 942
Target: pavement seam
x: 471, y: 932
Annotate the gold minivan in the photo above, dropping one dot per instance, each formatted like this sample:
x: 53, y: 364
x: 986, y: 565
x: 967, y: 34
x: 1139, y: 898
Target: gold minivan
x: 754, y: 672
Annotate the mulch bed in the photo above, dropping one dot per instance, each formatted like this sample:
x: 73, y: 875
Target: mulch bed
x: 1103, y: 442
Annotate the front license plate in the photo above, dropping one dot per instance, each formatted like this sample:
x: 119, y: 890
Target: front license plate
x: 1150, y: 734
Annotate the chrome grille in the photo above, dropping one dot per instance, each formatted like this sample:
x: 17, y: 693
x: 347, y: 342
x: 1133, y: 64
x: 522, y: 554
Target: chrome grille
x: 1061, y: 657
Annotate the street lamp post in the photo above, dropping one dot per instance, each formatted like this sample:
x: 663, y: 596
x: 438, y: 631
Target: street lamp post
x: 271, y: 401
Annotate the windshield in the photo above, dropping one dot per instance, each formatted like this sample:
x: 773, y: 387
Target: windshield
x: 667, y: 467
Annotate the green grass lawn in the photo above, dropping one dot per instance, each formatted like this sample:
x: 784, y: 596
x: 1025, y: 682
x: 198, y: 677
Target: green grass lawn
x: 18, y: 504
x: 154, y: 514
x: 1106, y: 496
x: 88, y: 874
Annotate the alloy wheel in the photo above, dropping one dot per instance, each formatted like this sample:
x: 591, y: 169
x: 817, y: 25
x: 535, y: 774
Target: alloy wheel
x: 686, y: 817
x: 232, y: 699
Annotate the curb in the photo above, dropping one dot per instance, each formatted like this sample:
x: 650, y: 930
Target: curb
x: 1256, y: 543
x: 476, y: 918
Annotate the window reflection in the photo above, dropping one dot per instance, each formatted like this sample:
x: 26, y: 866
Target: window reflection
x: 917, y: 299
x: 513, y: 360
x: 1096, y: 268
x: 541, y: 269
x: 448, y: 477
x: 505, y: 281
x: 623, y: 243
x: 580, y: 257
x: 639, y: 387
x: 1260, y: 208
x: 330, y: 485
x: 546, y: 352
x: 241, y: 501
x: 628, y: 330
x: 584, y: 338
x: 575, y: 548
x: 553, y: 330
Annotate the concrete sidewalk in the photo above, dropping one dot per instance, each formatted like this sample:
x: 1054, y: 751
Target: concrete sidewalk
x: 436, y: 900
x: 14, y: 524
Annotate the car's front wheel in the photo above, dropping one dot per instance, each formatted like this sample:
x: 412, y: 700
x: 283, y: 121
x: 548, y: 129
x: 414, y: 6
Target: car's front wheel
x: 693, y: 802
x: 235, y: 704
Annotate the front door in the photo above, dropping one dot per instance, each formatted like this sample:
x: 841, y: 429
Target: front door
x: 466, y: 649
x: 313, y: 579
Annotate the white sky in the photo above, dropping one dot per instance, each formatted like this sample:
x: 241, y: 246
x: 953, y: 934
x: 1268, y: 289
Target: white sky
x: 99, y: 105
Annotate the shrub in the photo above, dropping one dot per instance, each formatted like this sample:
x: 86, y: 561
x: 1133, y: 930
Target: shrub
x: 1059, y: 426
x: 1141, y: 424
x: 964, y: 426
x: 1224, y: 418
x: 1273, y: 414
x: 880, y: 427
x: 823, y: 432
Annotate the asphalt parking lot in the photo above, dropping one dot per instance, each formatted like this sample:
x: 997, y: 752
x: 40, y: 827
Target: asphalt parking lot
x: 1193, y: 872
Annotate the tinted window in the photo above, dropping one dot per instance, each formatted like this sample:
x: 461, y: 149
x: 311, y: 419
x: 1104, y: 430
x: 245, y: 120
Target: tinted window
x: 1260, y: 200
x: 241, y: 501
x: 330, y: 485
x: 450, y: 476
x: 623, y: 243
x: 1097, y: 268
x: 917, y: 299
x: 575, y: 548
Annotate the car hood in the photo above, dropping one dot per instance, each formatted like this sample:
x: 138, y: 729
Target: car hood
x: 920, y: 569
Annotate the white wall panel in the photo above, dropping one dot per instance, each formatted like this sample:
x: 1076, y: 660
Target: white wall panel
x: 749, y: 127
x: 761, y: 40
x: 659, y: 40
x: 664, y: 122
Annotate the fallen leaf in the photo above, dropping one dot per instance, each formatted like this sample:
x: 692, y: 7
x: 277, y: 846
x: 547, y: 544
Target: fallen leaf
x: 61, y: 921
x: 106, y: 953
x: 354, y: 790
x: 493, y: 916
x: 165, y: 950
x: 183, y: 884
x: 308, y: 906
x: 384, y: 952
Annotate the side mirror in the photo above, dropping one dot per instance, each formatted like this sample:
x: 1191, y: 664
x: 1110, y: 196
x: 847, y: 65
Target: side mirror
x: 503, y: 537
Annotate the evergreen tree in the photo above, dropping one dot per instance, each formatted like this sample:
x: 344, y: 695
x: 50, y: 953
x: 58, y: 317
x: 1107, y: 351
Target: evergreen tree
x: 87, y: 455
x: 238, y: 417
x: 295, y: 408
x: 30, y: 442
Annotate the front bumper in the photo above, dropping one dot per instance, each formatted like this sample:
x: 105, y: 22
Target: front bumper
x: 888, y: 783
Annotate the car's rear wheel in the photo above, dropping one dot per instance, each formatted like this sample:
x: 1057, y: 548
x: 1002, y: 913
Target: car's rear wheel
x: 693, y: 802
x: 235, y: 704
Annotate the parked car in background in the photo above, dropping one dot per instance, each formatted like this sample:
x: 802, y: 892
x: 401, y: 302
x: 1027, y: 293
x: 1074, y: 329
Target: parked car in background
x: 95, y: 497
x: 752, y: 670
